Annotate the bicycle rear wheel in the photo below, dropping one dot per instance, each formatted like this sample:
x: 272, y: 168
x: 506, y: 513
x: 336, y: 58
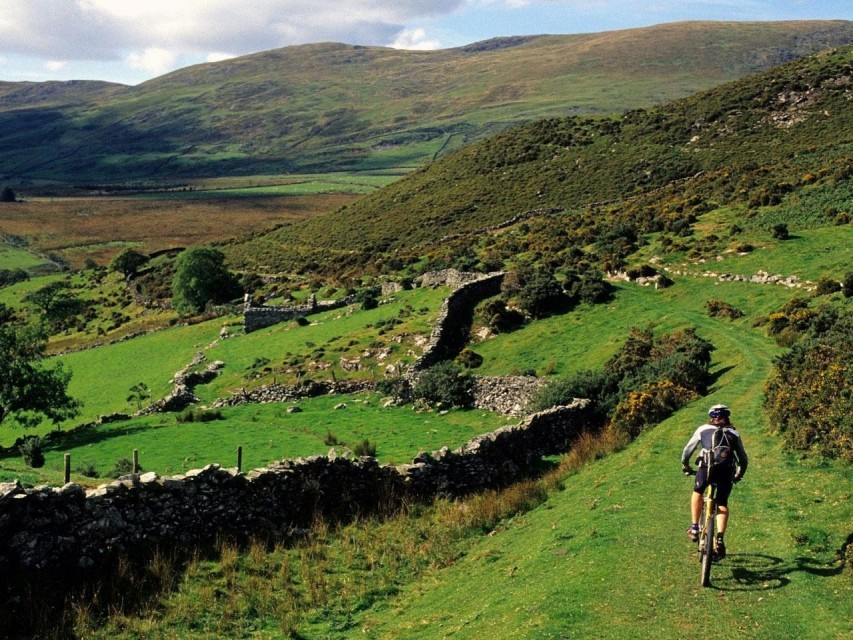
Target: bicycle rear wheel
x: 706, y: 545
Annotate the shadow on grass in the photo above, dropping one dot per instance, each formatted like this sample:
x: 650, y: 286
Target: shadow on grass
x: 759, y: 572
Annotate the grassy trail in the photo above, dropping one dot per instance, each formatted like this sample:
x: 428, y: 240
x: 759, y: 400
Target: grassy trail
x: 608, y: 558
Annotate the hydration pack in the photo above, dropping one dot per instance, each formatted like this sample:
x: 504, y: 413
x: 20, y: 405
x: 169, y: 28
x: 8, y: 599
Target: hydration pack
x: 722, y: 448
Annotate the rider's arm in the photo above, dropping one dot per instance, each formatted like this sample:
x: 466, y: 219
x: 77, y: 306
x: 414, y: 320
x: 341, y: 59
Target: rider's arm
x: 742, y: 458
x: 694, y: 441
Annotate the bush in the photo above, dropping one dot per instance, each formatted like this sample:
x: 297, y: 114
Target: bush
x: 827, y: 286
x: 123, y: 467
x: 650, y: 404
x: 720, y: 309
x: 199, y: 415
x: 847, y: 285
x: 649, y: 376
x: 499, y: 318
x: 780, y: 231
x: 31, y: 451
x: 537, y: 292
x: 444, y: 384
x: 88, y: 470
x: 365, y: 448
x: 808, y: 399
x: 469, y: 359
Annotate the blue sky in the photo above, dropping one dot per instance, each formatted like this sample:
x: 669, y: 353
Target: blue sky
x: 130, y: 41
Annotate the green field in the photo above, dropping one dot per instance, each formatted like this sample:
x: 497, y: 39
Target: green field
x: 603, y: 556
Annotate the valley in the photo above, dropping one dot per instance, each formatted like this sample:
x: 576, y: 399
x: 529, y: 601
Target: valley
x: 662, y: 256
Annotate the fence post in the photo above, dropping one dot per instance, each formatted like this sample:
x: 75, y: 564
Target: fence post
x: 239, y: 459
x: 67, y: 468
x: 135, y: 461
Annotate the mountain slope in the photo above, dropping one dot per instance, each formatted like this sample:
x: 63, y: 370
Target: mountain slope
x: 768, y: 140
x: 330, y: 106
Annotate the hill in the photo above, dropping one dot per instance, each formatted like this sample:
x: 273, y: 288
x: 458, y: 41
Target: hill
x: 711, y: 191
x: 772, y: 148
x: 332, y: 107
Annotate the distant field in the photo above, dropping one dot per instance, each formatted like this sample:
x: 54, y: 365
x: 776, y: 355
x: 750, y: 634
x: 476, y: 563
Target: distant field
x: 15, y: 258
x: 98, y: 227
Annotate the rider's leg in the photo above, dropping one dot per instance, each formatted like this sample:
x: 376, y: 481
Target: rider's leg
x: 695, y: 507
x: 722, y: 519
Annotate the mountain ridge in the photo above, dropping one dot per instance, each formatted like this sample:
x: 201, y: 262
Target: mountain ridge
x: 329, y: 106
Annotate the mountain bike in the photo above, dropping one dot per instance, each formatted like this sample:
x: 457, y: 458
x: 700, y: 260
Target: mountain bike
x: 707, y: 526
x: 707, y: 529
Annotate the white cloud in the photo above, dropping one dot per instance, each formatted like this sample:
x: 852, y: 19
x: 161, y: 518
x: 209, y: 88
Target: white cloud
x: 56, y: 65
x: 109, y: 29
x: 153, y: 59
x: 414, y: 39
x: 218, y: 56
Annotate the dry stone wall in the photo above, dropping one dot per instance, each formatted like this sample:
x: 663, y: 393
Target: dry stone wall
x: 453, y: 324
x: 258, y: 316
x: 50, y: 529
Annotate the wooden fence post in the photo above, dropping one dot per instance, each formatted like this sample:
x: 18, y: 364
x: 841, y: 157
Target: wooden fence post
x: 135, y: 461
x: 67, y: 468
x: 239, y: 459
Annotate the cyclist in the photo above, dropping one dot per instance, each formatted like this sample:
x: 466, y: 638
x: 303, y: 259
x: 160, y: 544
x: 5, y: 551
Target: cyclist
x: 723, y: 473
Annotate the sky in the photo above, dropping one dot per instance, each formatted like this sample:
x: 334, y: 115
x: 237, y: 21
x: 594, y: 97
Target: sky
x: 130, y: 41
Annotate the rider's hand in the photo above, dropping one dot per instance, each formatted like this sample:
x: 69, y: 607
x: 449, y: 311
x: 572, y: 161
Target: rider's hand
x: 687, y: 469
x: 737, y: 478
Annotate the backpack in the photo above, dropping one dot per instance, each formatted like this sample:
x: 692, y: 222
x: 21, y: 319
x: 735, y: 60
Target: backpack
x: 721, y: 453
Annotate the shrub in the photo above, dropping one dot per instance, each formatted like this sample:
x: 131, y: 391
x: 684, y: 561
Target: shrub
x: 649, y: 405
x: 123, y: 467
x: 808, y: 399
x: 469, y: 359
x: 444, y: 384
x: 536, y: 291
x: 499, y: 318
x: 827, y: 286
x: 365, y: 448
x: 88, y: 470
x: 199, y: 415
x: 780, y: 231
x: 721, y: 309
x: 847, y: 285
x: 31, y: 451
x: 675, y: 366
x: 331, y: 439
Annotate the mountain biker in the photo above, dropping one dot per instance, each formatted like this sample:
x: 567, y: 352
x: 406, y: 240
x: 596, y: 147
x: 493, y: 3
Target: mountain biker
x: 724, y: 474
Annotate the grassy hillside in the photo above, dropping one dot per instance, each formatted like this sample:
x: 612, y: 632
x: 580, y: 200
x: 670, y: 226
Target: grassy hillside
x: 333, y: 107
x: 602, y: 553
x: 765, y: 150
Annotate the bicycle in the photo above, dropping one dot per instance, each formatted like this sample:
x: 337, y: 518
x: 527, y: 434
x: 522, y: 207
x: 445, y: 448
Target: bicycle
x: 707, y: 529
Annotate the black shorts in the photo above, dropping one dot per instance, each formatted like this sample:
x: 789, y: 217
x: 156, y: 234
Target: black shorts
x: 722, y: 476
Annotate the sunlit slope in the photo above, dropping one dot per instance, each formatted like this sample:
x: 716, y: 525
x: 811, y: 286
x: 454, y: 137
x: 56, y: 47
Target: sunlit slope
x: 607, y: 557
x: 778, y: 139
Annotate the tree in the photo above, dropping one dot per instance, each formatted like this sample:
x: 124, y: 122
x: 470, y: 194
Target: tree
x: 138, y: 394
x: 201, y: 278
x: 8, y: 195
x: 128, y: 262
x: 30, y: 392
x: 56, y: 301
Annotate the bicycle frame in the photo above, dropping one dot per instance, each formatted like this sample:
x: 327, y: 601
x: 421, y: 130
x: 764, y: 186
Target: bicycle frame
x: 707, y: 526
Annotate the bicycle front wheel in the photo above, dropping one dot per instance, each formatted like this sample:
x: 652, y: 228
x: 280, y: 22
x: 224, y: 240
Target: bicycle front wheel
x: 706, y: 549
